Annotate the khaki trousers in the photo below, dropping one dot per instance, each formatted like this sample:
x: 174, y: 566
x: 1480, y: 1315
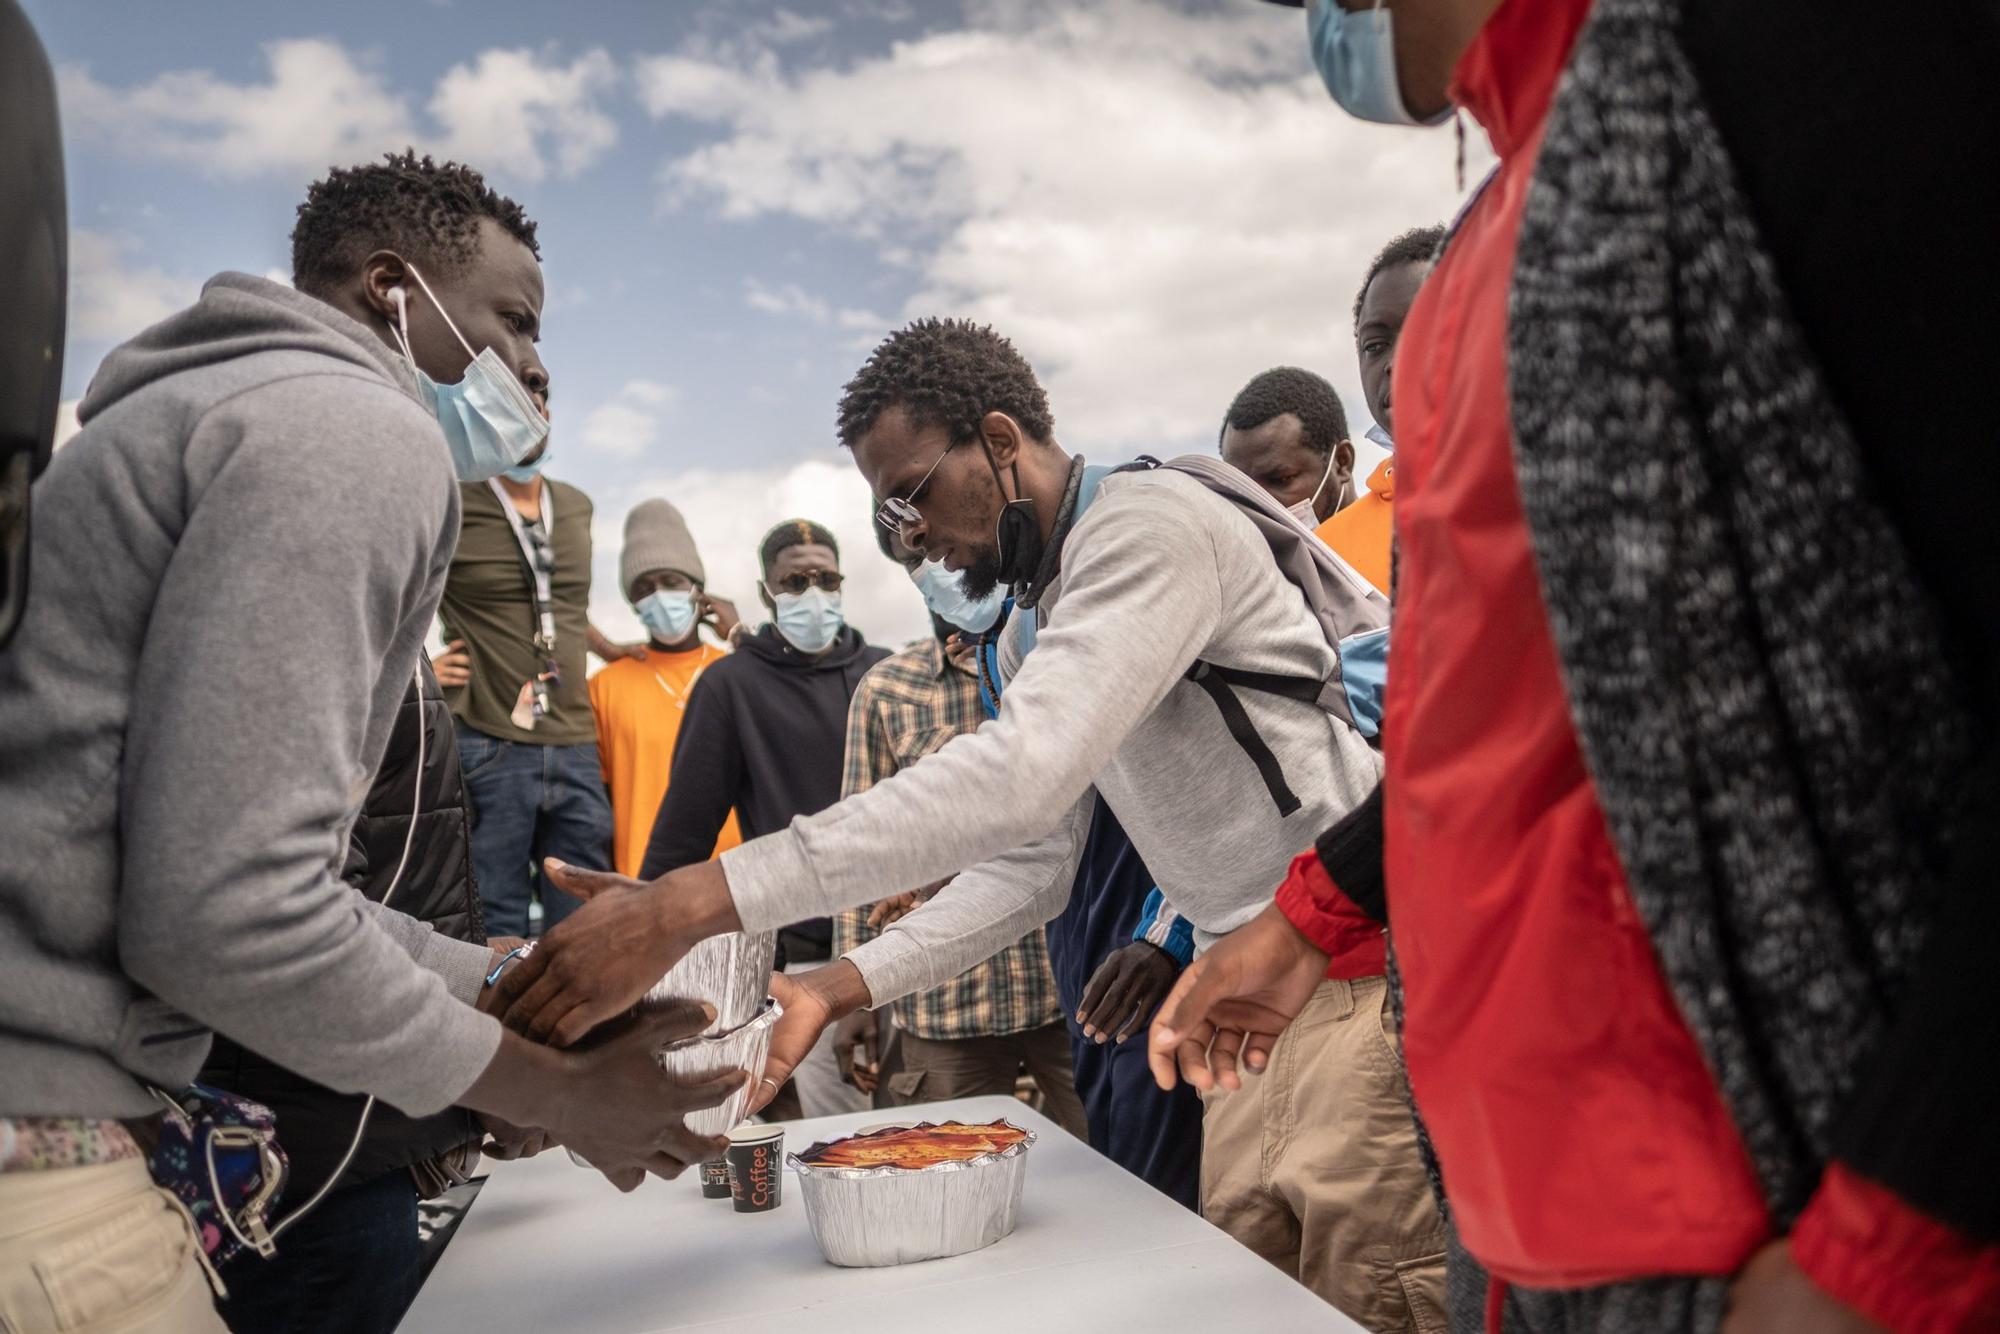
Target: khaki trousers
x: 98, y: 1250
x: 1313, y: 1165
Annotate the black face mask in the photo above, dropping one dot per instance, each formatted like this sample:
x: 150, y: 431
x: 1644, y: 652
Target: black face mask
x: 1020, y: 536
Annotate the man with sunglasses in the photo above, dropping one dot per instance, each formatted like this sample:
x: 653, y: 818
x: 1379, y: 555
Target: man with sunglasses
x: 1126, y: 582
x: 765, y: 735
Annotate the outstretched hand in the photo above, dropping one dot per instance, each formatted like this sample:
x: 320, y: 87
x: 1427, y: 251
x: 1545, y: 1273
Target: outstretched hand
x: 596, y: 963
x: 1124, y: 991
x: 626, y: 1115
x: 812, y: 1001
x: 1233, y: 1002
x: 806, y: 1016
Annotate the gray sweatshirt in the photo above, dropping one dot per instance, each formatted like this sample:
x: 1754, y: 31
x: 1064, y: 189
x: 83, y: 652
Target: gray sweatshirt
x: 1159, y: 572
x: 235, y: 565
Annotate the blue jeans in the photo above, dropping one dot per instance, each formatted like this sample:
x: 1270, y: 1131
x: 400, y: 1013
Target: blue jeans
x: 531, y: 802
x: 351, y: 1266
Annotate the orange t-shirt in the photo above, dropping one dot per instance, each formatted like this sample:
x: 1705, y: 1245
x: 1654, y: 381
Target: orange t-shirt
x: 639, y: 704
x: 1361, y: 533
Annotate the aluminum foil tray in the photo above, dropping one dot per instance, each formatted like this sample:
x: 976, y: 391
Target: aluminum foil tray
x: 745, y: 1047
x: 867, y: 1217
x: 731, y: 972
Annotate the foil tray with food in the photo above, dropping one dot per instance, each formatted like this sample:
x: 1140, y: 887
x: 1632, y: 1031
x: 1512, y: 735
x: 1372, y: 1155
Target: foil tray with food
x: 909, y: 1193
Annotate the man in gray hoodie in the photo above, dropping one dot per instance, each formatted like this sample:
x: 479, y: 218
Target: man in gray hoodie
x: 236, y: 564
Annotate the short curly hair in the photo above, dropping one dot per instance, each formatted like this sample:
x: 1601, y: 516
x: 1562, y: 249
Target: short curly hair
x: 426, y: 212
x: 794, y: 533
x: 1419, y: 245
x: 1285, y: 389
x: 947, y: 373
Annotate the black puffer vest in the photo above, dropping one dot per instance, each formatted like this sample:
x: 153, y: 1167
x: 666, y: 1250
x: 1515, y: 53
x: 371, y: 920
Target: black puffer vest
x: 315, y: 1123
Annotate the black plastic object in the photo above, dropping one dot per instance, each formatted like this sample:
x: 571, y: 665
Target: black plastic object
x: 34, y: 273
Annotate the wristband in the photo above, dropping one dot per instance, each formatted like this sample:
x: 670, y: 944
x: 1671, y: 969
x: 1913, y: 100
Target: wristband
x: 505, y: 959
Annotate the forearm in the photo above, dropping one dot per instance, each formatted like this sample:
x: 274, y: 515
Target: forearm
x: 842, y: 987
x: 524, y: 1084
x: 461, y: 963
x: 982, y: 912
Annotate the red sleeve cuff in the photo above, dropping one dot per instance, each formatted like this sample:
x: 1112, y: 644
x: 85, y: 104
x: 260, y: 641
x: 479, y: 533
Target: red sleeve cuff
x: 1352, y: 941
x: 1899, y: 1267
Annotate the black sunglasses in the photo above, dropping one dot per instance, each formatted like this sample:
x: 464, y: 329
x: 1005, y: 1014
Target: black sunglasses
x: 830, y: 580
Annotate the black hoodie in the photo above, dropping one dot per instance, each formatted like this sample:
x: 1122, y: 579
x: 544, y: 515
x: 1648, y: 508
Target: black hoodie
x: 764, y: 734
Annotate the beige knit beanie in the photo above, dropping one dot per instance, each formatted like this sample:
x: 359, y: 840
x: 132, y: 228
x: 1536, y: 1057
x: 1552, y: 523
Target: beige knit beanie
x: 657, y: 538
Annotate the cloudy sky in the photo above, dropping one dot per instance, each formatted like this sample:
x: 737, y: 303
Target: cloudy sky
x: 1155, y: 200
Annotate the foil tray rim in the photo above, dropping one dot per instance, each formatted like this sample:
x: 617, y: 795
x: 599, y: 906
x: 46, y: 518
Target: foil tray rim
x: 835, y: 1173
x: 767, y: 1014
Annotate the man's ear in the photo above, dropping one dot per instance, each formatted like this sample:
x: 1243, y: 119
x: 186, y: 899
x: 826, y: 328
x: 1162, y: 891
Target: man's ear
x: 764, y: 596
x: 1343, y: 458
x: 383, y: 275
x: 1002, y: 436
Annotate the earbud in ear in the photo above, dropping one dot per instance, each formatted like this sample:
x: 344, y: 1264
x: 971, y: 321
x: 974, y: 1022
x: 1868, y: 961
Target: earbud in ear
x: 397, y: 295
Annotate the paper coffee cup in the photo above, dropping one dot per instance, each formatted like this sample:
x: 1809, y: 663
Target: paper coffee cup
x: 756, y: 1158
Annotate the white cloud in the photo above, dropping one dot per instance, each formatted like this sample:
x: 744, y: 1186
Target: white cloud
x: 112, y: 299
x: 629, y: 424
x: 791, y: 299
x: 514, y: 113
x: 498, y: 111
x: 317, y: 106
x: 786, y: 26
x: 1155, y: 204
x: 729, y: 510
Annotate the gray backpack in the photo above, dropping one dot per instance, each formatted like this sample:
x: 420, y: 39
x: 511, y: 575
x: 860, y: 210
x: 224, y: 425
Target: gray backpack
x: 1352, y: 615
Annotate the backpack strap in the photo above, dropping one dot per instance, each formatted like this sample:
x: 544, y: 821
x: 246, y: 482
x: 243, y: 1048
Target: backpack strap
x: 1215, y: 681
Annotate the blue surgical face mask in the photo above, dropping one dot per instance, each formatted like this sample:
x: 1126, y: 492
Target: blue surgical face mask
x: 490, y: 421
x: 944, y: 594
x: 1356, y: 55
x: 808, y: 621
x: 529, y: 471
x: 668, y: 613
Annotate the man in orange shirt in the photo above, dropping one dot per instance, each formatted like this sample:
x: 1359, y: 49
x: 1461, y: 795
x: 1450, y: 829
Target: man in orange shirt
x: 639, y: 701
x: 1360, y: 532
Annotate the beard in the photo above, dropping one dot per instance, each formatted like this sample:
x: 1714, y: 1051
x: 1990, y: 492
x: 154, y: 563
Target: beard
x: 982, y: 576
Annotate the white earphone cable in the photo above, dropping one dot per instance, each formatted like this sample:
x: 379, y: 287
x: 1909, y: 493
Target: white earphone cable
x: 395, y: 881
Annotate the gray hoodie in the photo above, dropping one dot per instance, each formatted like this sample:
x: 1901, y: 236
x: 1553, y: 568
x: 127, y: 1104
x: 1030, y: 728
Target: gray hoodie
x: 235, y: 565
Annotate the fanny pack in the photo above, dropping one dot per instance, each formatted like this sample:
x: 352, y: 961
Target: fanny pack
x: 218, y: 1155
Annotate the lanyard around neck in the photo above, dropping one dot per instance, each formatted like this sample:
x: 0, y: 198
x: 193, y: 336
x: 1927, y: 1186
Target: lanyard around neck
x: 539, y: 571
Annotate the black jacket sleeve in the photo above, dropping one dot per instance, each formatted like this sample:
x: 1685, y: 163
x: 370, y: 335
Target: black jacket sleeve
x: 1351, y: 852
x: 701, y: 790
x: 1862, y: 146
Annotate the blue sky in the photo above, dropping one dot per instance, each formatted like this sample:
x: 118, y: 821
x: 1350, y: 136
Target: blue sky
x: 1155, y: 200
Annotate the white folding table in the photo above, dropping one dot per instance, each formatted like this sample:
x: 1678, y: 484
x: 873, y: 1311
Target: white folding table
x: 552, y: 1248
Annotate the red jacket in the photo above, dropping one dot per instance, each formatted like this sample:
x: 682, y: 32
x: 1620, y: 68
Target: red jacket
x: 1581, y: 1134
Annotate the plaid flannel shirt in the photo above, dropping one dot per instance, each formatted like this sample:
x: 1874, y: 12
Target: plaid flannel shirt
x: 906, y: 707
